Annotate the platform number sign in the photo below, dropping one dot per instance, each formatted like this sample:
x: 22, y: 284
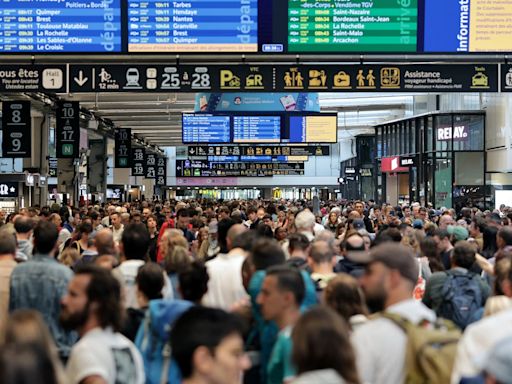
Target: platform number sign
x: 16, y: 127
x: 150, y: 166
x: 123, y: 147
x: 138, y: 161
x: 68, y: 129
x: 161, y: 171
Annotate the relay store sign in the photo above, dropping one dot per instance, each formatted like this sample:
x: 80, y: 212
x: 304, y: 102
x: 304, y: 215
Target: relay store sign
x: 392, y: 165
x: 458, y: 133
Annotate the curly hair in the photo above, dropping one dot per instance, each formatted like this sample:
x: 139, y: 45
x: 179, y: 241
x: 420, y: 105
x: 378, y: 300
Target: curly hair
x: 105, y: 290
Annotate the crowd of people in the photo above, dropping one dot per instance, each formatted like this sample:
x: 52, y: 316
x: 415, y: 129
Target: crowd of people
x: 203, y: 291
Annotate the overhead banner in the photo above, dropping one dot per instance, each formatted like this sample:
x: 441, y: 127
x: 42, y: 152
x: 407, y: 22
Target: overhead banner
x: 68, y: 129
x: 259, y: 150
x: 293, y: 81
x: 284, y: 78
x: 257, y: 102
x: 161, y: 171
x: 203, y: 168
x: 150, y: 169
x: 16, y: 129
x: 123, y: 147
x: 138, y: 161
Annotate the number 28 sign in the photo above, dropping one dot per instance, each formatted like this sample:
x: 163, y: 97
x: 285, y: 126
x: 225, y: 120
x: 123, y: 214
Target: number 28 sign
x: 16, y: 129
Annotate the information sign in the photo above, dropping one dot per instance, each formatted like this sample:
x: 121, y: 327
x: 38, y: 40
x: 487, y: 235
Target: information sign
x: 193, y: 26
x: 197, y: 128
x: 138, y: 161
x: 161, y: 171
x: 256, y: 129
x: 123, y: 147
x: 16, y: 129
x: 352, y: 26
x: 150, y: 170
x: 60, y: 26
x: 68, y: 129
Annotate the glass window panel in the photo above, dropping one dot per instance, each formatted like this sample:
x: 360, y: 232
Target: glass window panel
x: 468, y: 133
x: 443, y: 129
x: 469, y: 168
x: 443, y: 181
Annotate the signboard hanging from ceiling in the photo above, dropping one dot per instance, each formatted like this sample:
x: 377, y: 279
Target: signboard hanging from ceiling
x: 294, y: 79
x: 123, y: 147
x: 16, y: 129
x: 68, y: 129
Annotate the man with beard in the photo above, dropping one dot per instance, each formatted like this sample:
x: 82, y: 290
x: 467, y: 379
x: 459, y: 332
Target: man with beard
x: 388, y: 282
x: 93, y: 307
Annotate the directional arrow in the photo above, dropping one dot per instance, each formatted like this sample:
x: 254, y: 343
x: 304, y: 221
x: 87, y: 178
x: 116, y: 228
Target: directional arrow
x: 192, y: 151
x: 81, y: 80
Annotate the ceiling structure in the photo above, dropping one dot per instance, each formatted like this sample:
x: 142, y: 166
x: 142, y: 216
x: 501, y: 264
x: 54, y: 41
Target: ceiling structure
x: 156, y: 117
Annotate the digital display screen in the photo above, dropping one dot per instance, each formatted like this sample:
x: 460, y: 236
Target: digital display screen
x: 313, y: 129
x: 208, y: 129
x: 352, y: 26
x: 468, y: 26
x: 192, y: 26
x: 256, y: 129
x: 60, y: 26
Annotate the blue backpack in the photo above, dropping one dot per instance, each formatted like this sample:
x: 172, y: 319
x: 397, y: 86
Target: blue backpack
x: 153, y: 340
x: 462, y: 299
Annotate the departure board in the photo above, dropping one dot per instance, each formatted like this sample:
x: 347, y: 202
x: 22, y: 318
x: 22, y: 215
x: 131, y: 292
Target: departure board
x: 313, y: 129
x: 352, y: 25
x: 206, y: 129
x: 256, y: 129
x: 193, y: 26
x: 60, y: 26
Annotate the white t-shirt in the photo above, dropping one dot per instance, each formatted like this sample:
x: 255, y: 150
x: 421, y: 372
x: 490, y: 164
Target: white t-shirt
x: 477, y: 341
x: 127, y: 273
x: 380, y: 344
x: 101, y: 352
x: 225, y: 286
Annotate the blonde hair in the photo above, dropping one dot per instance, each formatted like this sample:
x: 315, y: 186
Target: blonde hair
x: 178, y: 260
x: 496, y: 304
x: 69, y: 256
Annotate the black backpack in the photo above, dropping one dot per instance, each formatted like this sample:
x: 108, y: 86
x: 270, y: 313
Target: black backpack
x: 462, y: 299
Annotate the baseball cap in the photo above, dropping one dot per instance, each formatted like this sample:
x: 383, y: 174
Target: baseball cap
x: 213, y: 227
x: 458, y: 232
x: 417, y: 224
x: 393, y: 256
x: 358, y: 224
x: 498, y: 362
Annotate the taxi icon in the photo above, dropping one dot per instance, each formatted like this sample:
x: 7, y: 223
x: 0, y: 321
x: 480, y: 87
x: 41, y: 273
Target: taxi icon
x: 480, y: 80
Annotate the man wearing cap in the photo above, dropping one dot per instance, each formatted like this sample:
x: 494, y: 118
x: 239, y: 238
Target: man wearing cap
x: 390, y: 276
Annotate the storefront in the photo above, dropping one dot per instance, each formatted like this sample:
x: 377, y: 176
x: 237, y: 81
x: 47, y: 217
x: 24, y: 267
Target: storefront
x: 357, y: 174
x: 437, y: 159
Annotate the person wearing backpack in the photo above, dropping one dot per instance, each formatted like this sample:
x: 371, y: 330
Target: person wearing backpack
x: 458, y: 294
x: 399, y: 344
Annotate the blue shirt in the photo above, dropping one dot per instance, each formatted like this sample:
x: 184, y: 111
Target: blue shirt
x: 39, y: 284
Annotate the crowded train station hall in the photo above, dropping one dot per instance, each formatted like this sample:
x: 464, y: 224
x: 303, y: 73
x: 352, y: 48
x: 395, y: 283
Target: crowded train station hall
x: 255, y: 192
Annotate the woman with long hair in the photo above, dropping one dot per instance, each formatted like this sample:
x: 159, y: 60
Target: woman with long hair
x: 322, y: 352
x: 344, y: 296
x: 26, y: 333
x: 428, y: 247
